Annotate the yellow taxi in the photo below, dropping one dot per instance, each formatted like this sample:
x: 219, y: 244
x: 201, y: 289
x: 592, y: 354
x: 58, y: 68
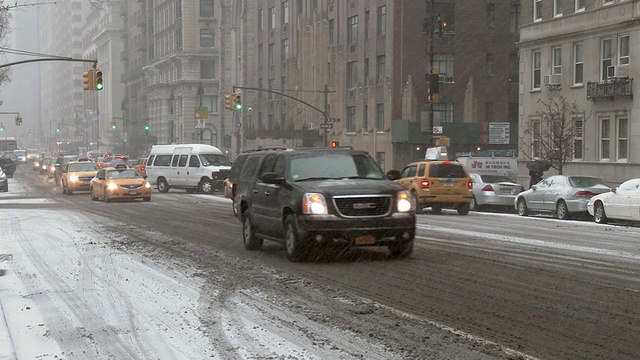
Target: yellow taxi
x: 119, y: 182
x: 77, y: 176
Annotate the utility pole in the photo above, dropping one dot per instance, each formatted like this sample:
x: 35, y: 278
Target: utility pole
x: 431, y: 24
x: 326, y: 114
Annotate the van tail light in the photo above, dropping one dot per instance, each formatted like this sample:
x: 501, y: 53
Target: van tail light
x: 424, y: 183
x: 584, y: 193
x: 487, y: 188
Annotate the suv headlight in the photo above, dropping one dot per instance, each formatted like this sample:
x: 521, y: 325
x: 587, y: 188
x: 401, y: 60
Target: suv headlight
x: 314, y: 203
x: 73, y: 178
x: 405, y: 201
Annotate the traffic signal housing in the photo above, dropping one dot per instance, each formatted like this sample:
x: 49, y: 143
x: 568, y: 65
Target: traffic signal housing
x: 1, y: 126
x: 88, y: 79
x: 18, y: 120
x: 113, y: 124
x: 334, y: 144
x: 228, y: 101
x: 237, y: 101
x: 98, y: 79
x: 146, y: 127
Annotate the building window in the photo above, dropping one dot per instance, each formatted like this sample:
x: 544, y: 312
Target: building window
x: 623, y: 50
x: 557, y: 61
x: 580, y: 4
x: 366, y: 25
x: 380, y: 69
x: 272, y: 18
x: 606, y: 57
x: 210, y: 102
x: 557, y: 8
x: 536, y: 145
x: 514, y: 74
x: 515, y: 18
x: 260, y: 20
x: 444, y: 64
x: 365, y: 118
x: 351, y: 119
x: 285, y: 12
x: 488, y: 70
x: 260, y: 56
x: 605, y: 138
x: 578, y: 64
x: 352, y: 30
x: 623, y: 138
x: 206, y: 8
x: 207, y: 69
x: 366, y: 72
x: 352, y: 74
x: 271, y: 119
x: 272, y: 84
x: 491, y: 15
x: 206, y: 38
x: 382, y: 20
x: 285, y: 49
x: 537, y: 10
x: 444, y: 112
x: 331, y: 31
x: 535, y: 73
x: 270, y: 54
x: 379, y: 117
x: 578, y: 143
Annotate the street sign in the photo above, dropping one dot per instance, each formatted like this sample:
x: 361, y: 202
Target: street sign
x: 326, y: 126
x: 437, y: 130
x: 202, y: 113
x: 200, y: 123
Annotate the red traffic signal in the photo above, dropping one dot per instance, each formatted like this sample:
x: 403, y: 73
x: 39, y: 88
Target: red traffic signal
x: 334, y: 144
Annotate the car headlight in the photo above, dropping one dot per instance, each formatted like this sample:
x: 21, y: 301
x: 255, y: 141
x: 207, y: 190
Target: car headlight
x: 147, y: 185
x: 73, y: 178
x: 314, y: 203
x: 405, y: 201
x: 112, y: 186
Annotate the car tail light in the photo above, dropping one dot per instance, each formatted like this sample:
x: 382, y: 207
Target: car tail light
x: 470, y: 185
x: 446, y: 163
x: 141, y: 168
x: 424, y: 183
x: 487, y: 188
x: 584, y: 193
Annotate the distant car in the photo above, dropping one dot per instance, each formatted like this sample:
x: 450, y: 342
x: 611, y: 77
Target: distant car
x: 21, y: 156
x: 45, y: 163
x: 119, y: 182
x: 493, y: 190
x: 4, y: 181
x: 77, y: 176
x: 562, y: 195
x: 621, y: 203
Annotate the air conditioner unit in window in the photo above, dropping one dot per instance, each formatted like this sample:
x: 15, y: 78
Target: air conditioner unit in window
x: 618, y: 71
x: 311, y: 126
x: 551, y: 80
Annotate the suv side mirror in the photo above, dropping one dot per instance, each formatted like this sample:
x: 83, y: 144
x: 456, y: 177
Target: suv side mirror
x: 393, y: 174
x: 272, y: 178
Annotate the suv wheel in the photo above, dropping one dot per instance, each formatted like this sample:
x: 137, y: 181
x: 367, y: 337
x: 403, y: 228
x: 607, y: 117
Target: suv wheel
x: 463, y: 209
x: 163, y: 187
x: 401, y: 250
x: 292, y: 243
x: 234, y: 206
x: 206, y: 186
x: 251, y: 242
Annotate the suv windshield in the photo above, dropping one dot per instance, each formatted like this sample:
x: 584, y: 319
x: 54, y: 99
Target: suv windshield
x: 447, y: 171
x: 89, y: 166
x: 213, y: 160
x: 334, y: 166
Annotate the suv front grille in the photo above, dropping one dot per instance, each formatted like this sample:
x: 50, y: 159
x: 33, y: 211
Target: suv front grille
x: 363, y: 205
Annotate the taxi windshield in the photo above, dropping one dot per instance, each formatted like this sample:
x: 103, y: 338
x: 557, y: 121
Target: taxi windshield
x: 213, y: 160
x: 335, y: 166
x: 89, y: 166
x: 123, y: 174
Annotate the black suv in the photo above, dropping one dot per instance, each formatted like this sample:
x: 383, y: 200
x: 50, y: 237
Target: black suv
x: 310, y: 197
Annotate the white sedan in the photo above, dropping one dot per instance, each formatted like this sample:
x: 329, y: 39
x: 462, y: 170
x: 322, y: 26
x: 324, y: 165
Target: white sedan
x: 621, y: 203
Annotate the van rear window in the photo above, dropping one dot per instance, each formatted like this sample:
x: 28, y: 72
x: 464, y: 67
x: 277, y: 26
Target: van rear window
x: 447, y: 171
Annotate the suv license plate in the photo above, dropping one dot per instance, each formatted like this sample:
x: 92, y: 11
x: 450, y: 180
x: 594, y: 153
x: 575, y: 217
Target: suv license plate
x: 365, y: 240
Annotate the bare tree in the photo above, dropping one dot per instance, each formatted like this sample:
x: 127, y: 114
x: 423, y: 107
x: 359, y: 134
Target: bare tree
x: 5, y: 16
x: 555, y: 135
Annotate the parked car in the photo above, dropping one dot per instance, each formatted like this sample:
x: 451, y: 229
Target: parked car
x: 621, y: 203
x: 562, y: 195
x: 306, y: 198
x: 8, y: 166
x: 493, y: 190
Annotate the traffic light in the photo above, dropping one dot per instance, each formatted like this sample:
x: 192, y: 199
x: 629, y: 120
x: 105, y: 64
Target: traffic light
x: 228, y: 101
x: 146, y: 127
x: 98, y: 79
x: 18, y: 120
x: 113, y: 124
x: 1, y: 126
x: 237, y: 101
x: 87, y: 79
x: 58, y: 128
x: 334, y: 144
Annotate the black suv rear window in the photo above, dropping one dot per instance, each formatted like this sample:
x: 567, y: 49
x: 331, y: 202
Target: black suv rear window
x: 447, y: 171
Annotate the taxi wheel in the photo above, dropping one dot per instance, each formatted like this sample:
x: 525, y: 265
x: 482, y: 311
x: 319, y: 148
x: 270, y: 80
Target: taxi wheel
x: 463, y: 209
x: 64, y: 189
x: 69, y: 191
x: 206, y: 186
x: 105, y: 195
x: 163, y: 187
x: 93, y: 195
x: 146, y: 198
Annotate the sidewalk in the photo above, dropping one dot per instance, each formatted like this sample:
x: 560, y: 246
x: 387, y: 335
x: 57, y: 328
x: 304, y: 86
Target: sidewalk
x: 7, y: 352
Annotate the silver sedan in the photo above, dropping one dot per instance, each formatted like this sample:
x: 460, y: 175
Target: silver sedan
x: 493, y: 190
x: 562, y: 195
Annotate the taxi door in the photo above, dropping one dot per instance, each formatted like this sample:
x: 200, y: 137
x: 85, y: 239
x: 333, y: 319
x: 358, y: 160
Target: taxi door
x: 408, y: 177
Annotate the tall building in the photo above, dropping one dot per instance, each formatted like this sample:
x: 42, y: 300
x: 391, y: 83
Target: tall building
x: 374, y: 58
x: 61, y: 96
x: 581, y: 51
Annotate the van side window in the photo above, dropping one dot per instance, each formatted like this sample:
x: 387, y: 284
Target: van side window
x: 194, y: 161
x: 174, y: 162
x: 183, y: 160
x: 162, y: 160
x: 150, y: 160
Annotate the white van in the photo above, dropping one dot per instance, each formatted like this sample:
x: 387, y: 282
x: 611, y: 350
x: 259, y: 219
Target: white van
x: 193, y: 167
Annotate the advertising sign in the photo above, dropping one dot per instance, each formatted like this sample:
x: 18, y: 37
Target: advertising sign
x: 499, y: 133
